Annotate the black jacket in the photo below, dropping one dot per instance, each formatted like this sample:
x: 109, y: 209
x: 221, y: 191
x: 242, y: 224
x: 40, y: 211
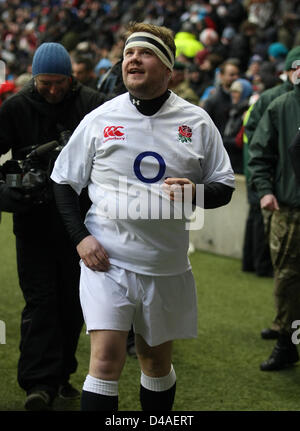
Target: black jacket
x: 27, y: 120
x: 218, y: 106
x: 231, y: 130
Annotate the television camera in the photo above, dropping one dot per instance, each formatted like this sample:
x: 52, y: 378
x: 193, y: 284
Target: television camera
x: 32, y: 173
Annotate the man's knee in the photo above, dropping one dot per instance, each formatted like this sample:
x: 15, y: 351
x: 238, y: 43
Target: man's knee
x: 155, y: 367
x: 108, y: 354
x: 155, y: 361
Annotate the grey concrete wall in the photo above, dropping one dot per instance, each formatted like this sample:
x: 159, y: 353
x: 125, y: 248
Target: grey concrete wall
x: 223, y: 229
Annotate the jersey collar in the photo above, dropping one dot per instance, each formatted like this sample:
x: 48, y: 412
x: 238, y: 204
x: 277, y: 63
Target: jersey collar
x: 149, y: 106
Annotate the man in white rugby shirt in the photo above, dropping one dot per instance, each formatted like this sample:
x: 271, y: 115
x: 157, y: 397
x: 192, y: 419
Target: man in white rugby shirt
x: 134, y: 264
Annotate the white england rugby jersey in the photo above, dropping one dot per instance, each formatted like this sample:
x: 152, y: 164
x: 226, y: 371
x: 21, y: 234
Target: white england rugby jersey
x: 124, y: 157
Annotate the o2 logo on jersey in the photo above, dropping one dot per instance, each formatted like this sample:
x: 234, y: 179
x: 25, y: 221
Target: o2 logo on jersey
x: 137, y: 167
x: 113, y: 132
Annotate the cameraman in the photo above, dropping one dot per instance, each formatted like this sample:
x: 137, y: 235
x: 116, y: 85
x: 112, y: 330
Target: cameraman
x: 48, y: 264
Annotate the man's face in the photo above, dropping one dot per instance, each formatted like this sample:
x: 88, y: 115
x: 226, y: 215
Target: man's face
x: 80, y: 72
x: 144, y: 75
x: 177, y: 77
x: 235, y: 97
x: 231, y: 73
x: 53, y: 88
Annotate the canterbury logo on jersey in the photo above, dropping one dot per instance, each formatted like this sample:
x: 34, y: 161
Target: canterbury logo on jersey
x: 113, y: 132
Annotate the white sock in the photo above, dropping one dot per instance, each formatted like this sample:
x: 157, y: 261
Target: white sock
x: 98, y: 386
x: 159, y: 384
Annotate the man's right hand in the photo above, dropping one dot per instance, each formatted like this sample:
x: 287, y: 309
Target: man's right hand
x: 13, y: 200
x: 269, y: 202
x: 93, y: 254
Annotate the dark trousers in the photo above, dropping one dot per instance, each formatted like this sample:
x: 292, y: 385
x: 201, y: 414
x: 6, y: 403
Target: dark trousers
x: 52, y: 318
x: 256, y: 250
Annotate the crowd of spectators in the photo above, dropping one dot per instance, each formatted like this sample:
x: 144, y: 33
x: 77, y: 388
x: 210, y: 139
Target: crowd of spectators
x: 255, y: 35
x: 207, y: 32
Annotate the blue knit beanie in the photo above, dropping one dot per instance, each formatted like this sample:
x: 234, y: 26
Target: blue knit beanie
x: 277, y: 50
x: 104, y: 63
x: 242, y: 86
x: 51, y: 59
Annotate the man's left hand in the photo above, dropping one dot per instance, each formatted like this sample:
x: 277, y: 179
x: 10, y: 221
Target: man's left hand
x: 177, y: 188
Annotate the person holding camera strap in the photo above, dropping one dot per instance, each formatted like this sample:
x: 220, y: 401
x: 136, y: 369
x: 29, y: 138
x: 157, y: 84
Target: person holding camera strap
x: 47, y: 261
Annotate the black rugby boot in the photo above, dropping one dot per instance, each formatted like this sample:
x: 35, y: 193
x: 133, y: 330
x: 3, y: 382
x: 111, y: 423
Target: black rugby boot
x: 284, y: 354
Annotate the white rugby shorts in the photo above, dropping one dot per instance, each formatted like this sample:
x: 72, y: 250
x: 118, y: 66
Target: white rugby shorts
x: 161, y: 308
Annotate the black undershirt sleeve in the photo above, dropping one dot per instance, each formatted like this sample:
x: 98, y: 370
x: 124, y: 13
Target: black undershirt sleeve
x: 216, y: 195
x: 67, y: 202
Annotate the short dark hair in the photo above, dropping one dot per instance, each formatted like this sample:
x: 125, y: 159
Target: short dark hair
x: 89, y: 65
x: 233, y: 62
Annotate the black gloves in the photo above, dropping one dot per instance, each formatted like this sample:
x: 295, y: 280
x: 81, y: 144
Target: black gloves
x: 13, y: 200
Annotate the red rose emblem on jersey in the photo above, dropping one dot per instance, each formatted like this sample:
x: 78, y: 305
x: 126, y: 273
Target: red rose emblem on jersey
x: 185, y: 133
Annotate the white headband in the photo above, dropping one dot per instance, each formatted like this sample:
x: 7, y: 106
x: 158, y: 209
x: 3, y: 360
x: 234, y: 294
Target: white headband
x: 148, y: 40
